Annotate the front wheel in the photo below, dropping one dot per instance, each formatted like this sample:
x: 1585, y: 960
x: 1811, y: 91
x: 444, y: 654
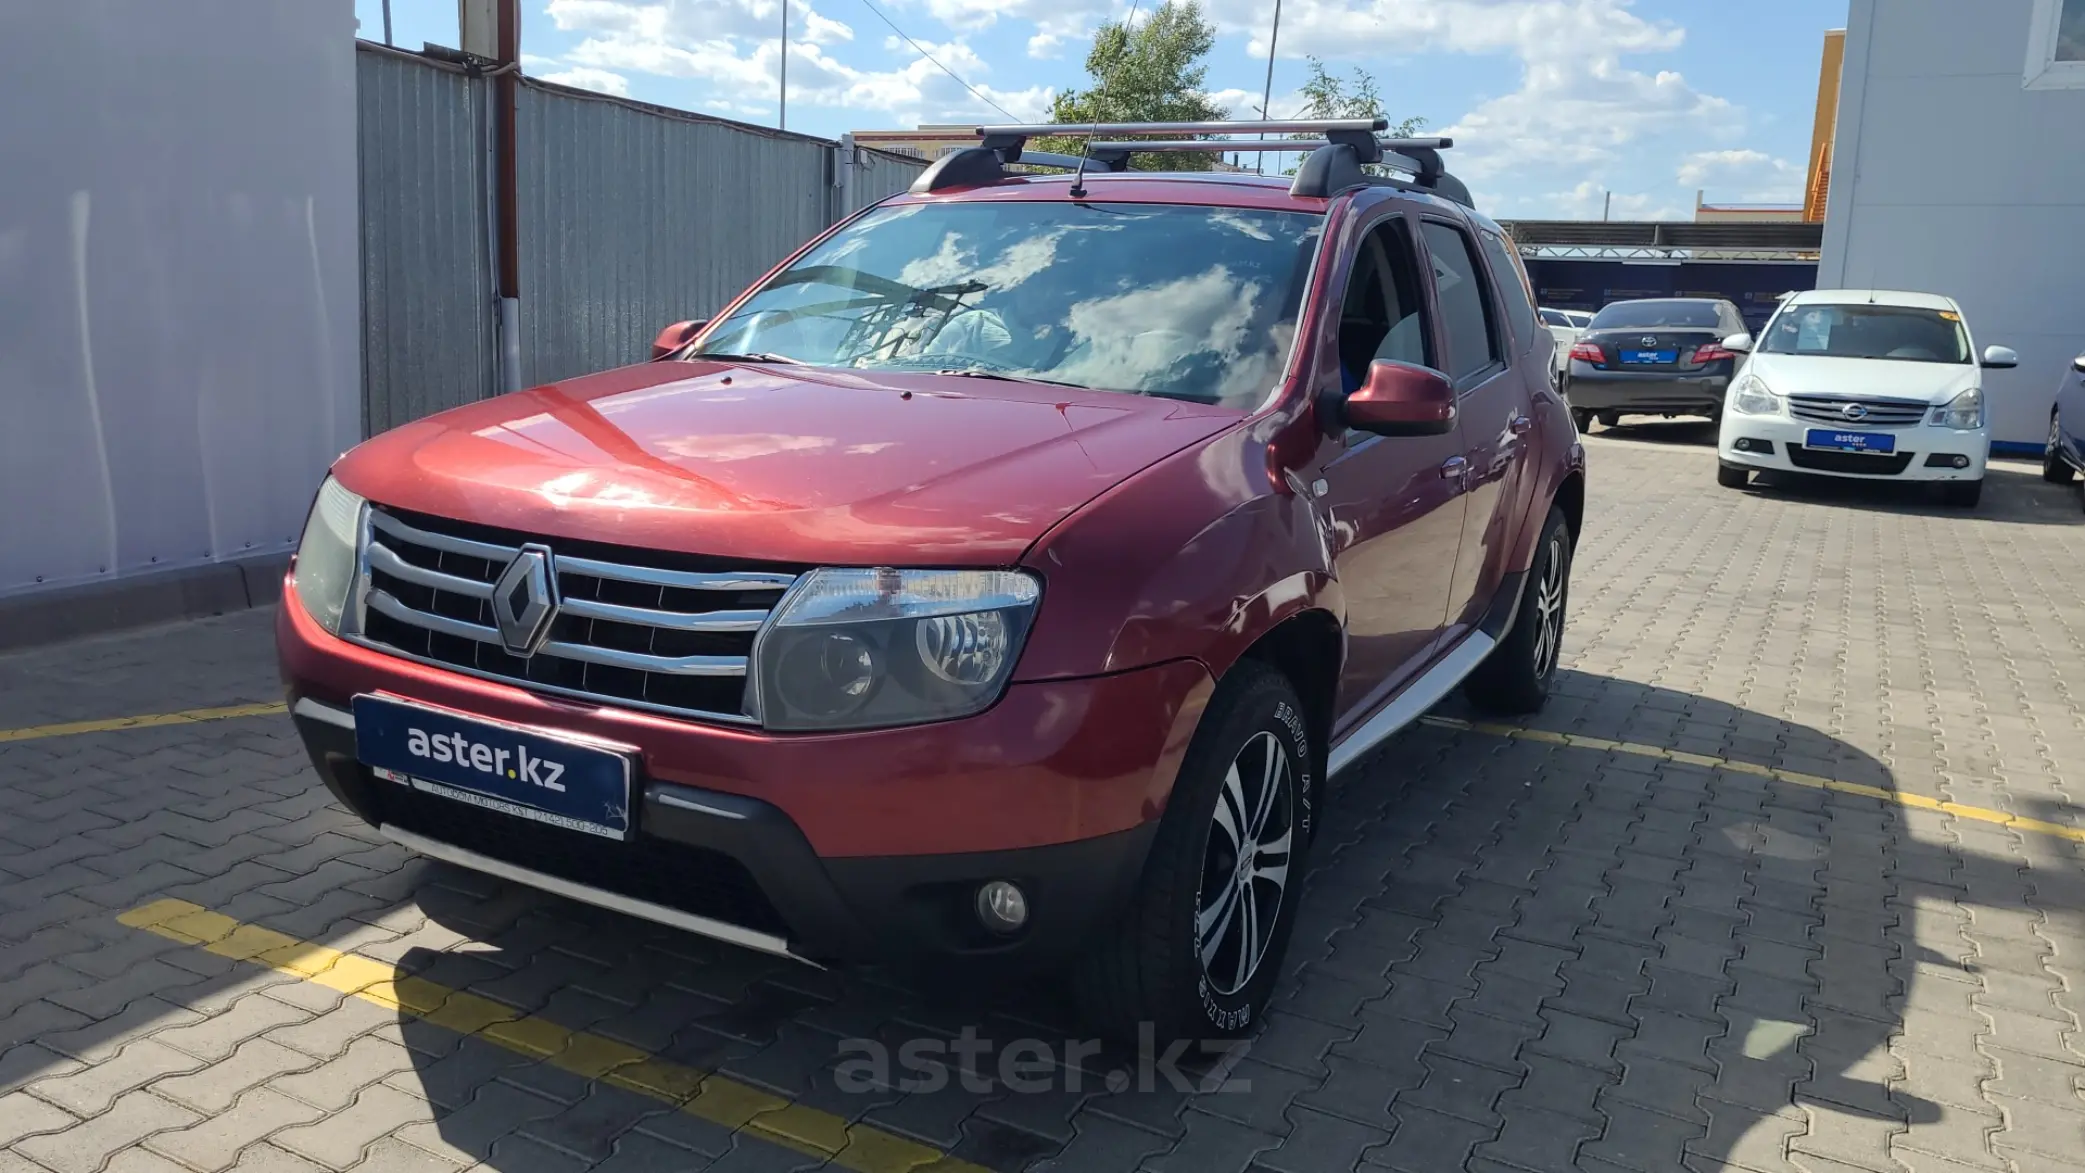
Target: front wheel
x: 2055, y: 469
x: 1733, y: 476
x: 1516, y: 677
x: 1198, y: 951
x: 1963, y: 494
x: 1583, y: 419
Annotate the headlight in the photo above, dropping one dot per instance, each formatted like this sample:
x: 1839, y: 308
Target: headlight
x: 1965, y: 412
x: 848, y: 649
x: 1749, y: 396
x: 326, y: 556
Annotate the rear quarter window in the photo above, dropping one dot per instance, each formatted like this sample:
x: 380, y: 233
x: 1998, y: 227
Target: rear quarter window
x: 1514, y: 292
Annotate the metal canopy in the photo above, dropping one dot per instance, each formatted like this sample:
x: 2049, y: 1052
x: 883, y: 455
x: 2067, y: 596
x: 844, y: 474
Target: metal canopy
x: 1658, y: 235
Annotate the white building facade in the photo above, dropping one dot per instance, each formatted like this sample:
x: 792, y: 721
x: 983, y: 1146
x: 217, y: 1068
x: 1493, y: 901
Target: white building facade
x: 1959, y: 169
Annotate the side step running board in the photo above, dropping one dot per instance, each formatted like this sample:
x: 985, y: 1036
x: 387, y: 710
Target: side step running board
x: 1411, y: 704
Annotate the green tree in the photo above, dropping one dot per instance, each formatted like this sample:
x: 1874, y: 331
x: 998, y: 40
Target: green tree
x: 1356, y: 97
x: 1151, y: 73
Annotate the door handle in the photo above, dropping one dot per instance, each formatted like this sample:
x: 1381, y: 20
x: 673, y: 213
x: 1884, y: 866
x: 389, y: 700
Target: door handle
x: 1455, y: 468
x: 1521, y: 424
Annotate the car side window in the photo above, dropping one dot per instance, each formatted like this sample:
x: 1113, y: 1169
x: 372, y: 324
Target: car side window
x: 1513, y: 286
x: 1466, y: 313
x: 1381, y: 318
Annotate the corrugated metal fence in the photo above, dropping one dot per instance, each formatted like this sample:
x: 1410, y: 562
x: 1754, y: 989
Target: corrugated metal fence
x: 630, y: 217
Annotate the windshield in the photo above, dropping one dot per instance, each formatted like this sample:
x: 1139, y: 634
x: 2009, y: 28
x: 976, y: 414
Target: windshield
x: 1153, y: 299
x: 1906, y: 333
x: 1641, y: 315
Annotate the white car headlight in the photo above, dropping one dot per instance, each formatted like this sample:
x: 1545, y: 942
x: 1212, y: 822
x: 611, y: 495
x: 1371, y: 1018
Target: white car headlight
x: 325, y: 571
x: 1750, y: 396
x: 854, y: 648
x: 1965, y: 412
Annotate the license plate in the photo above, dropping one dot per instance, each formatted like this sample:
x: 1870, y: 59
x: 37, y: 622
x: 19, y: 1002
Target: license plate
x: 520, y: 772
x: 1850, y: 441
x: 1649, y: 357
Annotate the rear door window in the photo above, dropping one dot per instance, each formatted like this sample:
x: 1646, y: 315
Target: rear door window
x: 1512, y: 285
x: 1467, y: 316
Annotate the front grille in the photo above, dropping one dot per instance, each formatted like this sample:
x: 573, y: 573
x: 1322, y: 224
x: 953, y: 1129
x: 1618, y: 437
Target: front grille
x: 677, y: 875
x: 1879, y: 413
x: 640, y: 628
x: 1867, y: 464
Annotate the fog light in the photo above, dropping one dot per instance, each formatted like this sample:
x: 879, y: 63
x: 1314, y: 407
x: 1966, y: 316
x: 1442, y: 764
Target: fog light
x: 1961, y: 462
x: 1748, y: 444
x: 1002, y: 906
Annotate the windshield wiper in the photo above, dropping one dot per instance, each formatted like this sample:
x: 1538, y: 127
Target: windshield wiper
x: 749, y: 356
x: 1002, y: 376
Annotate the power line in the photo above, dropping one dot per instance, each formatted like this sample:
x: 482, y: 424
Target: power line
x: 938, y: 65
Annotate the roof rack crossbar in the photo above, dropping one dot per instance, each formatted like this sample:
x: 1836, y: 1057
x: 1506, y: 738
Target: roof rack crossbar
x: 1099, y: 129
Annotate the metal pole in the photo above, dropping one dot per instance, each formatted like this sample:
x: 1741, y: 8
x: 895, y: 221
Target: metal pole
x: 387, y: 22
x: 782, y: 117
x: 1267, y: 92
x: 1606, y: 205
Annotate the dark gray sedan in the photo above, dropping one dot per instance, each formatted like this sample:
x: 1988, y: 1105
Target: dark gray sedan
x: 1659, y: 356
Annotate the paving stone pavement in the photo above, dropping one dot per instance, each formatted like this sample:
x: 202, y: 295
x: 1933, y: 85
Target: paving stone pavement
x: 1513, y: 954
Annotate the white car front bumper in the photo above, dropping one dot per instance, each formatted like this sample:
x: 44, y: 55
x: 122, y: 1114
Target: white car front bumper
x: 1922, y: 452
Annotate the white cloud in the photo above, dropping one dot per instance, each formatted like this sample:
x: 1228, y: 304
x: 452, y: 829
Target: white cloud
x: 1742, y: 176
x: 689, y: 23
x: 1579, y: 103
x: 600, y: 81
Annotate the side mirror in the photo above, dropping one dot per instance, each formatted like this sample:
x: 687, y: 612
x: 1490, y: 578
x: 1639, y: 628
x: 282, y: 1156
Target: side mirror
x: 1740, y: 342
x: 674, y: 337
x: 2078, y: 364
x: 1400, y: 399
x: 2000, y: 358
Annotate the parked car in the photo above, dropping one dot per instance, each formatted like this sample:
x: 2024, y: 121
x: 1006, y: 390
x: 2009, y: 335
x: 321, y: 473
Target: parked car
x: 2066, y: 451
x: 1657, y: 356
x: 1863, y: 383
x: 1567, y: 327
x: 1000, y: 578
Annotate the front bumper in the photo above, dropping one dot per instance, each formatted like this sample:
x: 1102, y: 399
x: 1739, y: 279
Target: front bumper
x: 1588, y: 388
x: 1924, y: 453
x: 867, y: 845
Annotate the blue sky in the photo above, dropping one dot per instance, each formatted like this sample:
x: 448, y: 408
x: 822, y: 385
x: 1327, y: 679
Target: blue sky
x: 1553, y: 103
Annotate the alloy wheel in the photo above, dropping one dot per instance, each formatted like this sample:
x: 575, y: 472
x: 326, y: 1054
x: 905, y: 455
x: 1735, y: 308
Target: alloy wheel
x: 1549, y: 607
x: 1245, y: 868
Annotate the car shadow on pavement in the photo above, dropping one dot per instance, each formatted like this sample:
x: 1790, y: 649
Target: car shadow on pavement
x: 1510, y: 949
x: 1683, y: 432
x: 2012, y: 493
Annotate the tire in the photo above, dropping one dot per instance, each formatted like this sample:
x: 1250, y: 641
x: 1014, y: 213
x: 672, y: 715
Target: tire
x: 1609, y: 419
x: 1963, y: 494
x: 1516, y: 677
x: 2055, y: 469
x: 1732, y: 476
x: 1583, y: 419
x: 1152, y: 968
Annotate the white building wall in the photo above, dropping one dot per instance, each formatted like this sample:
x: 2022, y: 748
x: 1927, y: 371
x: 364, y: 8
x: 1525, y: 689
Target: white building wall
x: 178, y: 288
x: 1951, y: 176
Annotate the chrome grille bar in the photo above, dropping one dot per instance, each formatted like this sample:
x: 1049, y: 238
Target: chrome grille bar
x: 1880, y: 413
x: 666, y: 620
x: 382, y: 558
x: 383, y: 603
x: 688, y: 579
x: 446, y: 543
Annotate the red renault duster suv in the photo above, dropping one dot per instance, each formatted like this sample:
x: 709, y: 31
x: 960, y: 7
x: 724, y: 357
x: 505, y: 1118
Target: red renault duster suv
x: 1002, y: 576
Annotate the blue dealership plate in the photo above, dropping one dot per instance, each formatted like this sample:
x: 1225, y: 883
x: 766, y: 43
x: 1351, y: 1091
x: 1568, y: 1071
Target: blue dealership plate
x: 1879, y: 442
x: 520, y: 772
x: 1649, y: 357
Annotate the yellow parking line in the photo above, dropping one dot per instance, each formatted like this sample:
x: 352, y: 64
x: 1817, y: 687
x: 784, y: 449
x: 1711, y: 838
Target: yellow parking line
x: 702, y: 1094
x: 1793, y: 777
x: 145, y: 721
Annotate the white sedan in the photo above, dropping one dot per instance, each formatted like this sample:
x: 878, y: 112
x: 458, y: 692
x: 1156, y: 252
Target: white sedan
x: 1863, y: 383
x: 1567, y: 327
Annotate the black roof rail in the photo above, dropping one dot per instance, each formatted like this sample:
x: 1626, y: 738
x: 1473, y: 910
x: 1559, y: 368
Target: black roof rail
x: 1335, y: 167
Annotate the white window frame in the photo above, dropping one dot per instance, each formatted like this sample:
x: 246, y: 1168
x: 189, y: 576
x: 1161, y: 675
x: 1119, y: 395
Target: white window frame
x: 2043, y: 71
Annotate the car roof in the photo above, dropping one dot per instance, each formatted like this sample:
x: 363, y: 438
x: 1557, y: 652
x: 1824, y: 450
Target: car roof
x: 1212, y: 188
x: 1899, y: 297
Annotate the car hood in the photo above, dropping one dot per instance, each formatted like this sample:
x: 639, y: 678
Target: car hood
x: 1863, y: 378
x: 775, y: 463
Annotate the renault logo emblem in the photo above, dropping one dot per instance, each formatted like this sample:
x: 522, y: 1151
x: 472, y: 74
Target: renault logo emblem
x: 524, y: 600
x: 1854, y: 411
